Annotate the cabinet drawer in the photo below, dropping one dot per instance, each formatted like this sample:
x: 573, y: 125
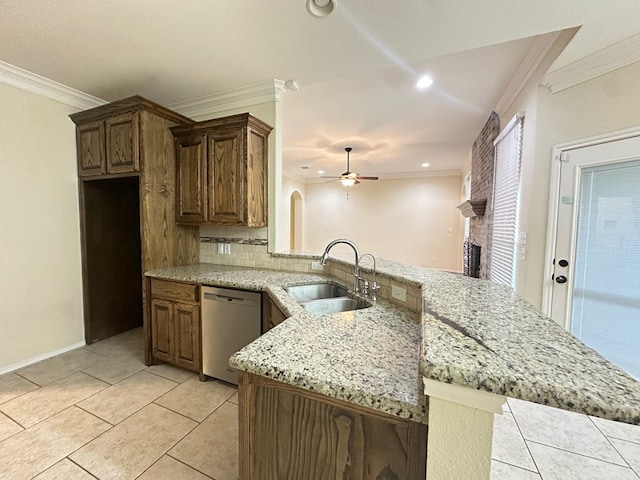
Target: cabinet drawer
x: 185, y: 292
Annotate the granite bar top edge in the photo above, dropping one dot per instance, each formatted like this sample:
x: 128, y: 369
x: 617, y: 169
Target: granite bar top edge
x: 483, y: 336
x: 397, y: 408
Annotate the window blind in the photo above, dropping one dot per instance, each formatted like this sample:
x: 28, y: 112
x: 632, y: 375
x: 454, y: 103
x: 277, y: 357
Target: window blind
x: 506, y: 196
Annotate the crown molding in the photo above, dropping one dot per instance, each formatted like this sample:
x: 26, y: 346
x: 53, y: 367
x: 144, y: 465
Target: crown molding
x: 394, y: 176
x: 594, y: 65
x: 31, y: 82
x: 422, y: 174
x: 293, y: 176
x: 269, y: 91
x: 530, y: 63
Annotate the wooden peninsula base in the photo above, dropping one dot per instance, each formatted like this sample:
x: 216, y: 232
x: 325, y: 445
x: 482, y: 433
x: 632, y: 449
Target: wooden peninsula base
x: 287, y: 433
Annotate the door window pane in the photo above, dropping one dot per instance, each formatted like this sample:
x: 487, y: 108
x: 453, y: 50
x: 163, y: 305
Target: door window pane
x: 606, y: 296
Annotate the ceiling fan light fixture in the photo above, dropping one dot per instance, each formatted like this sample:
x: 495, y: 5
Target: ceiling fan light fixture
x: 348, y: 181
x: 424, y: 82
x: 320, y: 8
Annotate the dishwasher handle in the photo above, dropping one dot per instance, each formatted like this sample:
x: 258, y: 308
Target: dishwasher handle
x: 228, y: 299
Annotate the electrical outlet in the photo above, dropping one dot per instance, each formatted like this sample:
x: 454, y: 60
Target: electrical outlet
x: 316, y: 266
x: 221, y: 248
x: 399, y: 293
x: 227, y: 249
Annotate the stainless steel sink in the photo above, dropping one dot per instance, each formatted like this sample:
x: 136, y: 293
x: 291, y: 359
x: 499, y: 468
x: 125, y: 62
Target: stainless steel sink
x: 324, y: 298
x: 333, y: 305
x: 306, y: 293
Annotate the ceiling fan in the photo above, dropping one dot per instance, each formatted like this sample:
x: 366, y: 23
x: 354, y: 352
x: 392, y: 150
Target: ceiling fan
x: 349, y: 178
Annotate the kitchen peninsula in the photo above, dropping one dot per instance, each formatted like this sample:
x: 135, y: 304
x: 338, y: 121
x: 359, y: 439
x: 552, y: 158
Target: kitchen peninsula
x: 472, y: 342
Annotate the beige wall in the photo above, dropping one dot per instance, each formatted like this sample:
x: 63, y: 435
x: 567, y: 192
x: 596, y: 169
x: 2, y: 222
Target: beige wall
x: 413, y: 221
x: 605, y: 104
x: 40, y: 283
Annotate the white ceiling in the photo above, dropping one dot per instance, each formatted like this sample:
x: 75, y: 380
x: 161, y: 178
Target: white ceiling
x: 355, y: 68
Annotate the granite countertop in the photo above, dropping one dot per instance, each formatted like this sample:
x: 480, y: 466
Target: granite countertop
x: 483, y: 336
x: 369, y: 357
x: 472, y: 333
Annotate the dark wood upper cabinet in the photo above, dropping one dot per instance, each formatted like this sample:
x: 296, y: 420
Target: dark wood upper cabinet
x: 90, y: 144
x: 226, y: 177
x: 109, y: 146
x: 122, y: 142
x: 191, y: 188
x: 109, y: 137
x: 222, y: 169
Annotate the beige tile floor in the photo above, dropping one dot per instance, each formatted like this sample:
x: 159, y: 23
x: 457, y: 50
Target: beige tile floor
x: 98, y: 412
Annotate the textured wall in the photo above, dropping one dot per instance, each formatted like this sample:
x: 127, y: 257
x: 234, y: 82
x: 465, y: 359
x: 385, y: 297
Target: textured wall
x: 482, y: 159
x: 459, y: 442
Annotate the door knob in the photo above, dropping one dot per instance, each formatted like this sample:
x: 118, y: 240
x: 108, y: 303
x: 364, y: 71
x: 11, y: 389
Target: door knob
x: 561, y: 279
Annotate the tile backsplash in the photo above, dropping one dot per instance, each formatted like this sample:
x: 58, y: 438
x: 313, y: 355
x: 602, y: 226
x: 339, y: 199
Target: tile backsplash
x: 248, y: 249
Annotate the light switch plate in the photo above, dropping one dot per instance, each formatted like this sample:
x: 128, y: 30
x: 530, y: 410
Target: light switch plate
x: 227, y: 249
x: 399, y: 293
x: 522, y: 238
x: 221, y: 248
x: 522, y: 254
x: 316, y: 266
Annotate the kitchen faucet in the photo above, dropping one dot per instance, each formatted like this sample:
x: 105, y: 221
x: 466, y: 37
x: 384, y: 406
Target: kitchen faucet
x: 356, y: 273
x: 371, y: 292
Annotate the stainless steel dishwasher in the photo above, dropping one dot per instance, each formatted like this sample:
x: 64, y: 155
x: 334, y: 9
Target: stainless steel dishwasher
x: 231, y: 319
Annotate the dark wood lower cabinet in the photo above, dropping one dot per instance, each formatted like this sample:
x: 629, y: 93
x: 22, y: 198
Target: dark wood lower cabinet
x: 162, y: 327
x: 288, y: 433
x: 187, y: 326
x: 175, y: 324
x: 271, y: 314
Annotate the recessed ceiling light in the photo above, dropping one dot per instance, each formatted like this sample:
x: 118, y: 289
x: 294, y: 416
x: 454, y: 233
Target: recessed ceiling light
x: 424, y: 82
x: 320, y: 8
x: 320, y: 172
x: 425, y: 164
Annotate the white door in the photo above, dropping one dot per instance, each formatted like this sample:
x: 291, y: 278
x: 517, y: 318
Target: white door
x: 596, y: 271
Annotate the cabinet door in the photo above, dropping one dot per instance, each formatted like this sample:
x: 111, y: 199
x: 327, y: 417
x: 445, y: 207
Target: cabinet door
x: 123, y: 152
x: 257, y: 155
x: 162, y: 330
x: 226, y: 186
x: 90, y: 144
x: 271, y: 314
x: 187, y: 336
x: 191, y: 194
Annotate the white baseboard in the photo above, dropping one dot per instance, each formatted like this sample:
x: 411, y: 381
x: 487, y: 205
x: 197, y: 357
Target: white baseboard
x: 39, y: 358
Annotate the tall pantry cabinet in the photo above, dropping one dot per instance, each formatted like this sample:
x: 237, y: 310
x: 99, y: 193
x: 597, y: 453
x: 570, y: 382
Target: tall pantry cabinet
x: 126, y: 169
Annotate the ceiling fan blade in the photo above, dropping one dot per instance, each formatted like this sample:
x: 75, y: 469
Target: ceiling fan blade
x: 360, y: 177
x: 329, y: 177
